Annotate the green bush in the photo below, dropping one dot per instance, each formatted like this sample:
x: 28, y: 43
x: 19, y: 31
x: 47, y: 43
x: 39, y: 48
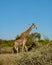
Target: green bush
x: 5, y: 43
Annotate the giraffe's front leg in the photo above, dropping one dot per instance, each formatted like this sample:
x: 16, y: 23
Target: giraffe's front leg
x: 26, y: 48
x: 23, y: 48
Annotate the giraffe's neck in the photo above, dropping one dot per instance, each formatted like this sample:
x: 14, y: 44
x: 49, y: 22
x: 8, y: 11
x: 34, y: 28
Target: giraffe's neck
x: 25, y: 34
x: 28, y: 30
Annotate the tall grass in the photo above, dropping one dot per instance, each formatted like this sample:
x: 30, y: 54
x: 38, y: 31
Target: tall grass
x: 39, y: 56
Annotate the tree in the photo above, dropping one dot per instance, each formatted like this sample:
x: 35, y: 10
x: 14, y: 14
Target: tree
x: 17, y: 37
x: 36, y: 36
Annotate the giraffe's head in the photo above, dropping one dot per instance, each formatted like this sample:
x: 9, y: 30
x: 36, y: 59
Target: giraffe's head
x: 34, y: 26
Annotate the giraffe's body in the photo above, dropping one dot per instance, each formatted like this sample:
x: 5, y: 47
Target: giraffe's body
x: 22, y: 39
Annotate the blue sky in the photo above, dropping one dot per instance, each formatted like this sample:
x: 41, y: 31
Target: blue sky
x: 16, y: 15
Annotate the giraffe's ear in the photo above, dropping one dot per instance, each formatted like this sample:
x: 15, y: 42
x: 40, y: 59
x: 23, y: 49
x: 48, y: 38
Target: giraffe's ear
x: 36, y: 27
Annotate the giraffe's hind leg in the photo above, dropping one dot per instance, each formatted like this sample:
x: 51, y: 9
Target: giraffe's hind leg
x: 14, y: 50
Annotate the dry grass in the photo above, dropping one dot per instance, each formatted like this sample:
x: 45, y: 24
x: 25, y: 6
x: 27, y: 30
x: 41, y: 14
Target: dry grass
x: 39, y: 56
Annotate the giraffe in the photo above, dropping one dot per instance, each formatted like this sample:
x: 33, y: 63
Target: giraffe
x: 22, y: 39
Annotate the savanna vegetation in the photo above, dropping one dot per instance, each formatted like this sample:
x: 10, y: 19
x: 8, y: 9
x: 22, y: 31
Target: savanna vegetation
x: 39, y: 51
